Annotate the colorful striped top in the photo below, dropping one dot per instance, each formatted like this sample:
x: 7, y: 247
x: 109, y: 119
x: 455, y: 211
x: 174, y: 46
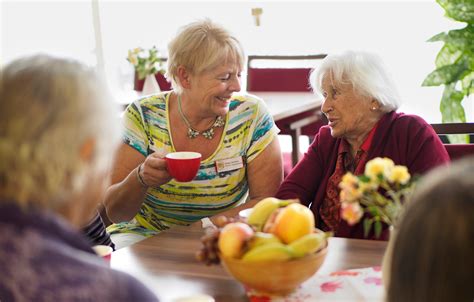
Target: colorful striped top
x: 248, y: 130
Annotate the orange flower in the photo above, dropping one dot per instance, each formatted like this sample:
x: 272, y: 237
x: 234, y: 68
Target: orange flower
x: 351, y: 212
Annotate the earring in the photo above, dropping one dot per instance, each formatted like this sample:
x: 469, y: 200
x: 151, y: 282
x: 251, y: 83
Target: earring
x: 373, y: 108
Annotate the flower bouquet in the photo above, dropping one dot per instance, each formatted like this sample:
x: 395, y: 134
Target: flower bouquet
x: 146, y: 62
x: 380, y: 192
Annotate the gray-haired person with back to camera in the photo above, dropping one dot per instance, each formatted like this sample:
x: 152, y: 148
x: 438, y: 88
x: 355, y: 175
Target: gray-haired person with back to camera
x: 58, y: 131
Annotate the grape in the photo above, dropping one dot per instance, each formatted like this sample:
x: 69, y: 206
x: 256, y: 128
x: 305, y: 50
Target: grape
x: 221, y: 221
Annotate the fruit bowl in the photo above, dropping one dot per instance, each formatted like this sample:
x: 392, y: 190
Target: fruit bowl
x: 275, y: 277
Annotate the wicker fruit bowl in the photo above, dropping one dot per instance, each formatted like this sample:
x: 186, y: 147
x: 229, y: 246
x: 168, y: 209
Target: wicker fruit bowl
x: 275, y: 277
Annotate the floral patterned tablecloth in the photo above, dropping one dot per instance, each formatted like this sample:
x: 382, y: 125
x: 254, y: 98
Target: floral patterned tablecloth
x: 363, y: 284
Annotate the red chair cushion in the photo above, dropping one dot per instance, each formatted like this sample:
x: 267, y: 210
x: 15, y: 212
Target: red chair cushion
x: 457, y: 151
x: 278, y: 79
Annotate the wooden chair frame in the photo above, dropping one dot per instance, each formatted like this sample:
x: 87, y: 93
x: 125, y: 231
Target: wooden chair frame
x: 456, y: 151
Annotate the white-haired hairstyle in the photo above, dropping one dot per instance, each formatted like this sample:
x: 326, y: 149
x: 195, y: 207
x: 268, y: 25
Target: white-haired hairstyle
x: 202, y: 46
x: 364, y: 71
x: 49, y: 108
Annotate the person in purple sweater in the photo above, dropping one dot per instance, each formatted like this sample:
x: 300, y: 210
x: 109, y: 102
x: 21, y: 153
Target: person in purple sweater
x: 360, y: 103
x: 57, y: 133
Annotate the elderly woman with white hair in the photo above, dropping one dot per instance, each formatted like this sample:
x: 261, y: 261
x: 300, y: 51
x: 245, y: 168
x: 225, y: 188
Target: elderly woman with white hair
x: 57, y: 137
x: 236, y: 135
x: 360, y: 103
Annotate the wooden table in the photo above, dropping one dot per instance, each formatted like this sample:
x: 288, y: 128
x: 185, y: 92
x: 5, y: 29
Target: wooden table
x: 167, y: 265
x: 292, y: 107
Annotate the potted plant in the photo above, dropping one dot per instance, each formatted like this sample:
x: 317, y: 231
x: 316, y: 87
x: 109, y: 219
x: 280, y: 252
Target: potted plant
x: 455, y: 63
x: 147, y: 63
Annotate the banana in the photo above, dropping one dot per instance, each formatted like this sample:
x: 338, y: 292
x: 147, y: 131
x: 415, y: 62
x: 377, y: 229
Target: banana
x: 268, y: 252
x: 260, y: 238
x: 263, y: 209
x: 307, y: 244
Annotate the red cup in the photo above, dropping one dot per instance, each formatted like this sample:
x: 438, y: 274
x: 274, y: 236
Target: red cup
x: 103, y: 251
x: 183, y: 166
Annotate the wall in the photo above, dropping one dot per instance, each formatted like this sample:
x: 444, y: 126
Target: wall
x: 397, y: 30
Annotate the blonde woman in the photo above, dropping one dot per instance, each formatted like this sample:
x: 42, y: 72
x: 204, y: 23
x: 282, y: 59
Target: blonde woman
x: 57, y: 134
x: 203, y: 113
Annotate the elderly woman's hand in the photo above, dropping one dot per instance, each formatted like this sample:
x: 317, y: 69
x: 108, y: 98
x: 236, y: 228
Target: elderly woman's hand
x: 153, y: 170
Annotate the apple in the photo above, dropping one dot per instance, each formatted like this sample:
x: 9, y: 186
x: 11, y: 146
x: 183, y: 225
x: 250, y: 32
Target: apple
x: 233, y: 238
x: 291, y: 222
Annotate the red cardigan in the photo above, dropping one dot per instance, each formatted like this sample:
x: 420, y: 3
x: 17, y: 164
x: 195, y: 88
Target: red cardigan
x: 407, y: 139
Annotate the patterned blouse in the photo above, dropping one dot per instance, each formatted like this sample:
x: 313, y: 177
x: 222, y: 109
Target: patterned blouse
x: 248, y: 130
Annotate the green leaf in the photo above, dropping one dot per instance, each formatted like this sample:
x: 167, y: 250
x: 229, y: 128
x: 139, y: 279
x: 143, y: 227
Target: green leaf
x: 437, y: 37
x: 460, y: 10
x: 377, y: 229
x: 373, y: 211
x: 467, y: 83
x: 447, y: 74
x: 367, y: 226
x: 458, y: 138
x: 448, y: 55
x: 451, y: 108
x: 461, y: 38
x: 452, y: 111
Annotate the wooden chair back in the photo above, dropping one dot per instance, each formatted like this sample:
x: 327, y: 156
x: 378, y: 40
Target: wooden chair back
x: 456, y: 151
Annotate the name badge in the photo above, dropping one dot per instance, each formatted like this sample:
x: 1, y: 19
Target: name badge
x: 229, y: 164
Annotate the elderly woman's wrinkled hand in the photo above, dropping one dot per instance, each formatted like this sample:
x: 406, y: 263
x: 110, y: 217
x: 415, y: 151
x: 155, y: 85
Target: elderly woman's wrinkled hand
x: 154, y: 170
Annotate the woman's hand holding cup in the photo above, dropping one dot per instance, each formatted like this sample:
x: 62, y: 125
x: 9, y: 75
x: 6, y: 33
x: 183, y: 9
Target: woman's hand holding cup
x: 154, y: 170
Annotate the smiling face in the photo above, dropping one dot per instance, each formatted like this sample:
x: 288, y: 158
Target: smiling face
x: 211, y: 90
x: 350, y: 114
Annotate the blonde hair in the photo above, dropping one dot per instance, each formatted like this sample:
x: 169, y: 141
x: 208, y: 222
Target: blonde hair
x: 201, y: 46
x: 49, y: 108
x: 366, y: 73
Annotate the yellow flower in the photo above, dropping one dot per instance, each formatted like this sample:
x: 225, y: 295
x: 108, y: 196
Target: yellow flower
x: 349, y: 179
x: 349, y: 187
x: 351, y: 212
x: 350, y: 194
x: 379, y: 166
x: 367, y: 186
x: 377, y: 193
x: 132, y: 58
x: 399, y: 175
